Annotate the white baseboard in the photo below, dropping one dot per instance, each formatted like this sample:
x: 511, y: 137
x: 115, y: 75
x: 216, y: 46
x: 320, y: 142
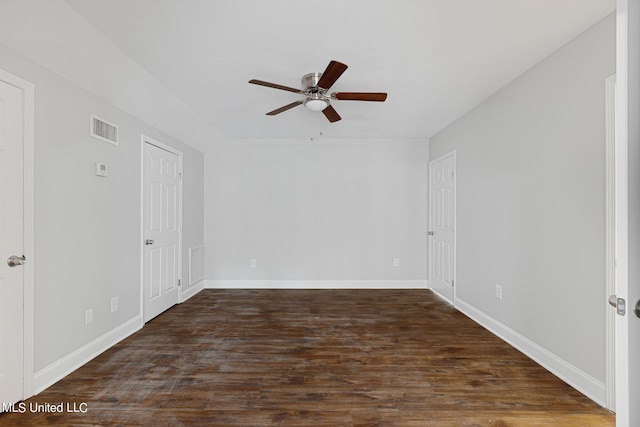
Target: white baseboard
x: 53, y: 373
x: 578, y: 379
x: 187, y: 293
x: 316, y: 284
x: 441, y: 296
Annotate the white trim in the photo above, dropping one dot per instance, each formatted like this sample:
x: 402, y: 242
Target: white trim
x: 191, y: 291
x: 53, y: 373
x: 610, y: 236
x: 451, y: 153
x: 316, y: 284
x: 578, y: 379
x: 145, y: 139
x: 141, y: 260
x: 28, y: 98
x: 442, y: 297
x: 162, y: 145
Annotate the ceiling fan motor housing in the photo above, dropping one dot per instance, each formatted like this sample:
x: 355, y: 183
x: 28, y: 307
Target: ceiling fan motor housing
x: 316, y: 98
x: 310, y: 81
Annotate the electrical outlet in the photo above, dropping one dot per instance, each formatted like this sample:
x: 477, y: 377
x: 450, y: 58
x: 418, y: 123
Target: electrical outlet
x: 88, y: 316
x: 499, y: 292
x: 114, y: 304
x: 396, y: 262
x: 252, y: 263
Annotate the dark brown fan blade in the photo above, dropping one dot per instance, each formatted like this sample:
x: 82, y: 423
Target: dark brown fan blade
x: 360, y: 96
x: 275, y: 86
x: 331, y: 74
x: 331, y: 114
x: 285, y: 108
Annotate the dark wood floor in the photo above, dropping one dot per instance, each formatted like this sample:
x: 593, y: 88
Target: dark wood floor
x: 314, y: 358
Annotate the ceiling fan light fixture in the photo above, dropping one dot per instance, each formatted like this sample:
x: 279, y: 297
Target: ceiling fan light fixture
x: 316, y: 104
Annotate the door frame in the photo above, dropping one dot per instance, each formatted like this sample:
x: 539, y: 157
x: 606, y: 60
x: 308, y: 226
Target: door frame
x: 28, y: 141
x: 610, y: 237
x: 145, y: 139
x: 451, y: 153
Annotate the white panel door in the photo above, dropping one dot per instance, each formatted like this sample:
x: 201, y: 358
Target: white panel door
x: 162, y: 229
x: 442, y: 203
x: 628, y: 212
x: 11, y: 243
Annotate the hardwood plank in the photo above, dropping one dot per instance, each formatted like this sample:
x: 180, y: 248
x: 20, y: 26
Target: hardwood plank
x: 314, y: 358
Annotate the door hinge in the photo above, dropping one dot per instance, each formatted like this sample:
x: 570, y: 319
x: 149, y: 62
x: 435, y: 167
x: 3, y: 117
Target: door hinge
x: 179, y: 175
x: 453, y: 283
x: 179, y: 282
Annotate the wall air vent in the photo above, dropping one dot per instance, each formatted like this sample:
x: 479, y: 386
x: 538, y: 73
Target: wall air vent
x: 104, y: 130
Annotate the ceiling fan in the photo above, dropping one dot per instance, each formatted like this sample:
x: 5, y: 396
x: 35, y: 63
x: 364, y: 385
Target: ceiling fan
x: 315, y: 87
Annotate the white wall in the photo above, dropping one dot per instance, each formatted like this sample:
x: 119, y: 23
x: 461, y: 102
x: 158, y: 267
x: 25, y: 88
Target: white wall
x: 56, y: 36
x: 531, y: 203
x: 87, y: 228
x: 312, y: 211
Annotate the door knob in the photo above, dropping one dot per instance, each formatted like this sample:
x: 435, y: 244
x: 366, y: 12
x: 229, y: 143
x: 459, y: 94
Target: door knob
x: 619, y: 304
x: 14, y: 260
x: 149, y: 242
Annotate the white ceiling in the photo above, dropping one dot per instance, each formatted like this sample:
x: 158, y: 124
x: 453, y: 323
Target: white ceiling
x: 436, y: 59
